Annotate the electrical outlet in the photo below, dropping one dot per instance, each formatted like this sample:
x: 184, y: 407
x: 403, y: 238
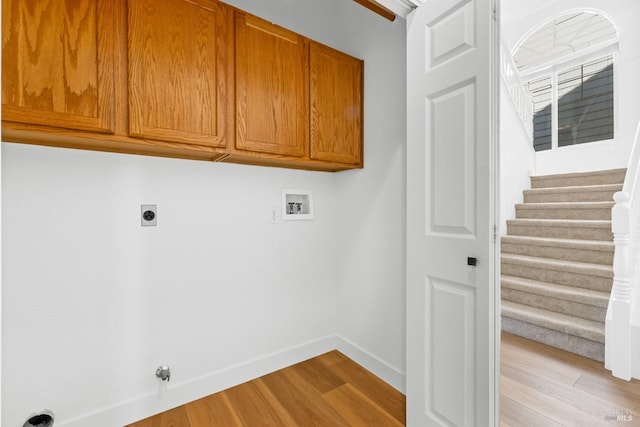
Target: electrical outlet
x: 274, y: 216
x: 148, y: 215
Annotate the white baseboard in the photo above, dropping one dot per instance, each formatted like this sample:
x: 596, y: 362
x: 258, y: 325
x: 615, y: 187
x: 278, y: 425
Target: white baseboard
x: 172, y: 394
x: 176, y: 394
x: 389, y: 374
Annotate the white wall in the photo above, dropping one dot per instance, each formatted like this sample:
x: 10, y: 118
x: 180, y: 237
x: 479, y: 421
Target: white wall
x: 371, y: 205
x: 92, y: 303
x: 517, y: 159
x: 519, y: 17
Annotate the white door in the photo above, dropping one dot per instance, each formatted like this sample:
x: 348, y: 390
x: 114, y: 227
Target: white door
x: 452, y: 104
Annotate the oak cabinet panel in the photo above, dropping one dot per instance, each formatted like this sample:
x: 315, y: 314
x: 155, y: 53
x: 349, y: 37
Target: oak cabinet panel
x: 336, y: 106
x: 179, y: 71
x: 57, y: 63
x: 272, y: 113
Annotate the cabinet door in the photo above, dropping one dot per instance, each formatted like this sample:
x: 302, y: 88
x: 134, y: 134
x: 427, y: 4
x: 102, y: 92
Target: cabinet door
x: 179, y: 77
x: 336, y: 106
x: 271, y: 88
x: 57, y: 63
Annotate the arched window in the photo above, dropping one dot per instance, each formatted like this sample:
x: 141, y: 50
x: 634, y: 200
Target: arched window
x: 568, y: 67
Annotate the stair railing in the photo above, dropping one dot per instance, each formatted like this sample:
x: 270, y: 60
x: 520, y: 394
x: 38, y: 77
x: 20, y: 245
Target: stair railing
x: 521, y: 99
x: 625, y: 224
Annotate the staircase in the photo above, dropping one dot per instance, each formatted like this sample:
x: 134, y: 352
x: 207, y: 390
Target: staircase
x: 557, y: 261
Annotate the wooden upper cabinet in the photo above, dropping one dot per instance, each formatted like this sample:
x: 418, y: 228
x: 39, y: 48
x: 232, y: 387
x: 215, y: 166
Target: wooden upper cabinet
x: 180, y: 81
x: 194, y: 79
x: 336, y: 106
x: 272, y: 101
x: 57, y: 63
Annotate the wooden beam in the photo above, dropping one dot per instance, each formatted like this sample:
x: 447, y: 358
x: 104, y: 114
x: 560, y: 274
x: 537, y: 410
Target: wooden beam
x: 377, y: 8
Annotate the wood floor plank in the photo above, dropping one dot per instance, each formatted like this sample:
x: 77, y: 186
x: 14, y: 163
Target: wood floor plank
x: 331, y: 358
x: 617, y: 392
x: 255, y: 408
x: 515, y: 414
x: 595, y: 391
x: 357, y: 409
x: 539, y: 367
x: 215, y: 410
x: 579, y: 399
x: 374, y: 388
x: 605, y: 378
x: 318, y: 374
x: 284, y: 412
x: 302, y: 401
x: 553, y: 408
x: 556, y: 368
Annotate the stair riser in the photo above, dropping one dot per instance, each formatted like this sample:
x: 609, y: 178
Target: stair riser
x: 597, y: 283
x: 570, y: 308
x: 580, y: 233
x: 591, y: 196
x: 573, y: 181
x: 567, y: 254
x: 565, y: 213
x: 584, y: 347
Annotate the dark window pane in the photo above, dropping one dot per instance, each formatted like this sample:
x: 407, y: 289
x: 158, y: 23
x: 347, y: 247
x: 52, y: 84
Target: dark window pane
x: 585, y: 104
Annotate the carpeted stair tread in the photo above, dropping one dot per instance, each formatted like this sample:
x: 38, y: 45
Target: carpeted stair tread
x: 594, y: 251
x: 557, y: 305
x: 576, y: 188
x: 597, y: 277
x: 556, y: 321
x: 560, y: 265
x: 611, y: 176
x: 592, y: 245
x: 563, y: 222
x: 566, y: 205
x: 580, y: 193
x: 561, y: 228
x: 570, y: 293
x: 568, y: 210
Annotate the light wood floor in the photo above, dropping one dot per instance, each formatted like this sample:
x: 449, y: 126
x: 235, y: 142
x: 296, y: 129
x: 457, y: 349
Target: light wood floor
x: 540, y: 386
x: 546, y: 387
x: 329, y: 390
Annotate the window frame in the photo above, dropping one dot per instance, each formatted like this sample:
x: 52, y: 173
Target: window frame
x: 553, y: 68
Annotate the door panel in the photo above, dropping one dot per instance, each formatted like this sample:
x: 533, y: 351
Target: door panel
x: 453, y: 34
x: 452, y: 161
x: 451, y: 350
x: 336, y: 106
x: 179, y: 75
x: 451, y: 206
x: 272, y: 78
x: 57, y: 63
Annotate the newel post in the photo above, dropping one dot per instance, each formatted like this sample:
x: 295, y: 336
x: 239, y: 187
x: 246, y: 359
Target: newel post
x: 618, y: 323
